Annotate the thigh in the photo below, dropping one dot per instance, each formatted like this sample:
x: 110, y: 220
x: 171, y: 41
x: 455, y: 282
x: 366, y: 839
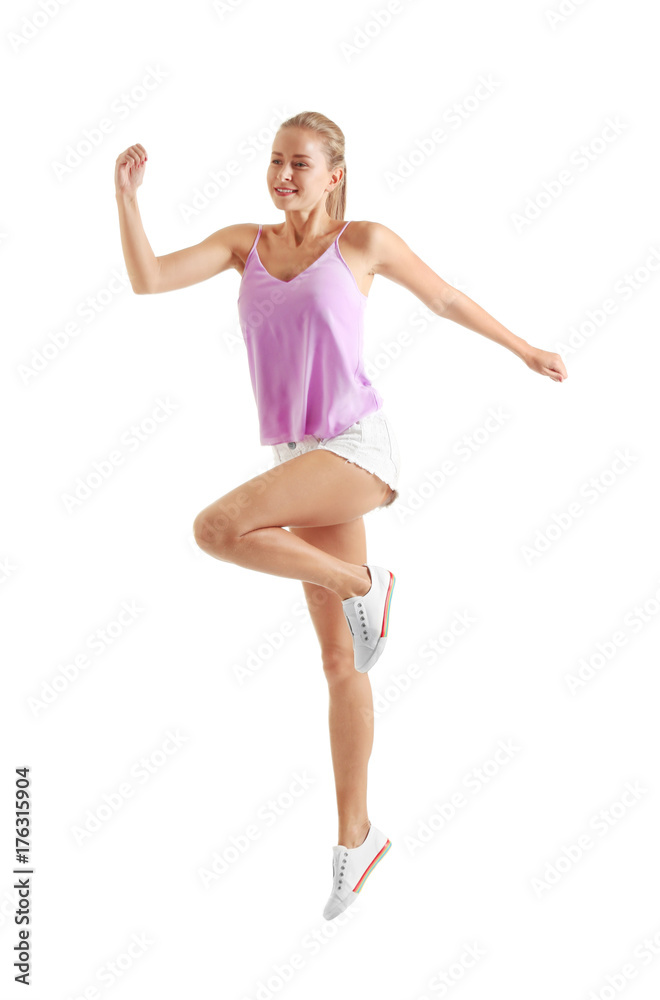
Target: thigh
x: 314, y: 489
x: 346, y: 541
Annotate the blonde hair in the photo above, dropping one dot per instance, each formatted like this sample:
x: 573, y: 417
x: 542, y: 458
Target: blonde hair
x: 332, y: 144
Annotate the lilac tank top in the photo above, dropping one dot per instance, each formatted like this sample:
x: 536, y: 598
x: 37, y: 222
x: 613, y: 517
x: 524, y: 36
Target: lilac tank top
x: 304, y: 346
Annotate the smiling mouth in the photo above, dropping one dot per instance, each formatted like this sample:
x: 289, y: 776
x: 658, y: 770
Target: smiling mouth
x: 285, y: 191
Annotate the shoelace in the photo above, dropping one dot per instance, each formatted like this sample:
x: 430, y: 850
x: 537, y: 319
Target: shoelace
x: 362, y: 621
x: 339, y: 875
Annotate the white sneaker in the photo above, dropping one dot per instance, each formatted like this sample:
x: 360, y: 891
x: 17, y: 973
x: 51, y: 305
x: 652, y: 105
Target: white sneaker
x: 368, y: 617
x: 351, y: 867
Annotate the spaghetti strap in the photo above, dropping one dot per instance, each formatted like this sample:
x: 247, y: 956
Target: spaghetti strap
x: 341, y: 230
x: 253, y: 247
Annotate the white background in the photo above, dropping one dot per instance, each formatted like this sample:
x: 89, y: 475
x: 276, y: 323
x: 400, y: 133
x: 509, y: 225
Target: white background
x: 472, y: 545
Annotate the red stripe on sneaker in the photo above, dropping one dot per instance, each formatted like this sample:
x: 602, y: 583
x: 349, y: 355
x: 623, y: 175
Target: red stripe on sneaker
x: 386, y: 611
x: 371, y: 867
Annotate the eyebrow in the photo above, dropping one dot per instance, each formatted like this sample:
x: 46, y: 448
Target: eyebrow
x: 296, y: 155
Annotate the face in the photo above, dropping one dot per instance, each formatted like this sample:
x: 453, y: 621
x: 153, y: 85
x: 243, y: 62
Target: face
x: 297, y: 164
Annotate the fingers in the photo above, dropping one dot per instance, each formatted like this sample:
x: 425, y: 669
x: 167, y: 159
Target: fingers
x: 134, y: 156
x: 138, y: 155
x: 554, y: 367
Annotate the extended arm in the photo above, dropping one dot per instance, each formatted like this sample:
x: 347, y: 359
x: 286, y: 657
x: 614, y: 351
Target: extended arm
x: 394, y: 259
x: 148, y: 273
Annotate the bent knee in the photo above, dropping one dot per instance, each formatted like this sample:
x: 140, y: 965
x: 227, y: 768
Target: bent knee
x: 213, y: 530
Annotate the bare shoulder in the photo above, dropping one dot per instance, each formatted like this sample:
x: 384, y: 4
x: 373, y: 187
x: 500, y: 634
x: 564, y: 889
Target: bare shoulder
x: 389, y: 255
x: 380, y: 241
x: 376, y: 242
x: 238, y: 239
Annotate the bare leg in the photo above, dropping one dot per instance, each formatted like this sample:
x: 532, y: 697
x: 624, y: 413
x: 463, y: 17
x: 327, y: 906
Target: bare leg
x: 247, y: 526
x: 350, y: 711
x: 321, y: 499
x: 350, y: 717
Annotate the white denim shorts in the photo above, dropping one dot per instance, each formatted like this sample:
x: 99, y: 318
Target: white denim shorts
x: 370, y: 443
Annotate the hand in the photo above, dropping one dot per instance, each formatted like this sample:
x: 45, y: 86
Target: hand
x: 129, y: 170
x: 546, y: 363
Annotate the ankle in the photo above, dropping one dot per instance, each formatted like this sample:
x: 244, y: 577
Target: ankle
x: 359, y: 585
x: 354, y: 834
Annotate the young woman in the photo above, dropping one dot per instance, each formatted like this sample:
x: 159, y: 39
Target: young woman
x: 335, y: 455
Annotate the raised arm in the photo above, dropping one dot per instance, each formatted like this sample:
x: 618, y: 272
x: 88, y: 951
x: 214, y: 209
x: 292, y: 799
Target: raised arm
x: 394, y: 259
x: 147, y: 273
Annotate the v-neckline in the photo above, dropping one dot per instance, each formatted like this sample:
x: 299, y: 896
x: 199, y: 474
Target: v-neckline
x: 281, y: 280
